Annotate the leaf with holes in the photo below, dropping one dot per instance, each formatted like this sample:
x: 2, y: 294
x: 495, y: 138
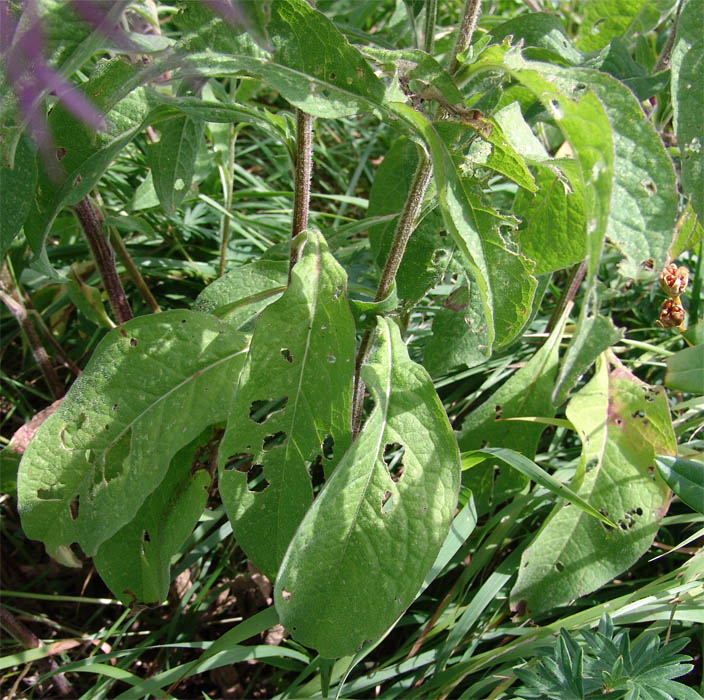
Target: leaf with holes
x: 289, y: 423
x: 151, y: 387
x: 135, y: 562
x: 364, y: 547
x: 623, y: 424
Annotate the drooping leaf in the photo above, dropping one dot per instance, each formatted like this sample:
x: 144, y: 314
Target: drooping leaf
x: 151, y: 387
x: 16, y: 190
x: 688, y: 232
x: 364, y: 547
x: 427, y: 253
x: 240, y: 294
x: 623, y: 424
x: 604, y: 19
x: 685, y: 370
x: 685, y: 477
x: 172, y: 159
x: 290, y: 419
x: 688, y: 99
x: 135, y: 562
x: 527, y: 393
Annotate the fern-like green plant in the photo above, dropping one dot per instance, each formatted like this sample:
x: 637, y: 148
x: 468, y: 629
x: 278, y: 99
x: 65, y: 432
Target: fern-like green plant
x: 605, y: 664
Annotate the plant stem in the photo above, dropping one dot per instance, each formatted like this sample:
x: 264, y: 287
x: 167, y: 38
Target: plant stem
x: 431, y: 11
x: 472, y: 8
x: 573, y: 281
x: 404, y: 229
x: 133, y: 270
x: 39, y: 353
x: 92, y: 224
x: 303, y: 171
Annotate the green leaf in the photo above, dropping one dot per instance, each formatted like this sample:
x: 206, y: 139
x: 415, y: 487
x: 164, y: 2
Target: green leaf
x: 325, y: 77
x: 290, y: 418
x: 623, y: 423
x: 493, y: 150
x: 527, y: 393
x: 685, y: 370
x: 150, y: 388
x: 644, y: 201
x: 685, y: 477
x: 135, y: 562
x: 82, y: 153
x: 594, y: 335
x: 364, y: 547
x: 16, y: 190
x: 688, y: 99
x: 88, y: 300
x: 459, y: 334
x: 540, y: 30
x: 239, y: 295
x: 604, y: 19
x: 552, y: 230
x: 427, y: 254
x: 172, y: 159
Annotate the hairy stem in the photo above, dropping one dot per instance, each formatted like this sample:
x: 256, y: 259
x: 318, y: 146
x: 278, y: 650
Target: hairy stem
x: 472, y: 8
x: 133, y: 270
x: 404, y: 229
x: 92, y: 224
x: 302, y: 176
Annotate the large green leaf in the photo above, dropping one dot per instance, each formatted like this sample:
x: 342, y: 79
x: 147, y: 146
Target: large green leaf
x: 290, y: 418
x: 526, y: 394
x: 135, y: 562
x: 16, y: 190
x: 364, y: 547
x: 151, y: 387
x: 314, y: 67
x: 427, y: 254
x: 623, y: 424
x: 688, y: 99
x: 83, y: 154
x: 172, y: 159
